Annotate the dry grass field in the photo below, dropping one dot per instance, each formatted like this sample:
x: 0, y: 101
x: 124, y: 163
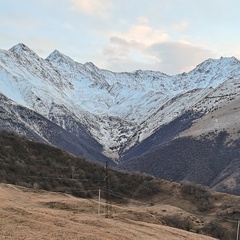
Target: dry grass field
x: 29, y: 214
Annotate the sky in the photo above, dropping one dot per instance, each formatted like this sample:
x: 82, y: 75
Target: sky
x: 171, y: 36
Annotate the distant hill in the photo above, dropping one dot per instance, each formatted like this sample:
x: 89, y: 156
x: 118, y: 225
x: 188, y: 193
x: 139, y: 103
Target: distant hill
x: 209, y: 161
x: 38, y: 165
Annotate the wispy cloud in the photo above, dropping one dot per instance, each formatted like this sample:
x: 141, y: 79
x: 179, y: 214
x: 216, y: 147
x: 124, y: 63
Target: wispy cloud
x: 143, y: 33
x: 100, y: 8
x: 169, y: 36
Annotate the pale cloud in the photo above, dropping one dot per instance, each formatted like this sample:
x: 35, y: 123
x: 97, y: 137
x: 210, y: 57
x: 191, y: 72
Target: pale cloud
x: 178, y: 57
x: 127, y: 50
x: 100, y: 8
x: 127, y: 54
x: 122, y: 50
x: 123, y: 35
x: 147, y: 48
x: 142, y: 33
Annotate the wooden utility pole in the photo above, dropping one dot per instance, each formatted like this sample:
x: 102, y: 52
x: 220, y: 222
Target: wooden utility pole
x: 107, y: 190
x: 238, y: 230
x: 99, y: 202
x: 73, y: 170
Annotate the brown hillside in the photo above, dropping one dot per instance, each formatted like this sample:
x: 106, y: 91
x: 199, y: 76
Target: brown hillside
x: 27, y: 214
x: 136, y: 199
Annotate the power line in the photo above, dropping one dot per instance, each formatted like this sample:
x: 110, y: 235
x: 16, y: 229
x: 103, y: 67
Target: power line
x: 70, y: 179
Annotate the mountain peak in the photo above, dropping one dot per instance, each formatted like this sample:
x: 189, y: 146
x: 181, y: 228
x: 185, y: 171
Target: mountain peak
x: 220, y: 63
x: 56, y: 53
x: 20, y: 48
x: 57, y: 56
x: 229, y: 60
x: 234, y: 60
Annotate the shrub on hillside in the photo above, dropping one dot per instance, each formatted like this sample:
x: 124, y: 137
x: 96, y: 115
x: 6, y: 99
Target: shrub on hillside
x: 215, y: 229
x: 199, y: 195
x: 178, y: 222
x: 41, y: 166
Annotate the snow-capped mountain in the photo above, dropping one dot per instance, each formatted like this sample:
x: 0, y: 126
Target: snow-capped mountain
x: 119, y: 110
x: 24, y: 121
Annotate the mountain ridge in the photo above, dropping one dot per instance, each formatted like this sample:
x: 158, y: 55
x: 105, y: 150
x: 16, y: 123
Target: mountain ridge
x: 107, y: 103
x: 138, y: 119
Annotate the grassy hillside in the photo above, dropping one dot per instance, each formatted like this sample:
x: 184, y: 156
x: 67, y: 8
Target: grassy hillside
x: 36, y: 214
x: 30, y: 164
x: 208, y: 161
x: 188, y: 207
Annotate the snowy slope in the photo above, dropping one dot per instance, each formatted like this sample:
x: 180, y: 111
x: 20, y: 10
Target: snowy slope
x: 23, y: 121
x: 118, y: 109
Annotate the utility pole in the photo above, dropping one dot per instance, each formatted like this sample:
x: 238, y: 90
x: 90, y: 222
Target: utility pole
x: 107, y: 190
x: 238, y: 230
x: 73, y: 170
x: 99, y: 201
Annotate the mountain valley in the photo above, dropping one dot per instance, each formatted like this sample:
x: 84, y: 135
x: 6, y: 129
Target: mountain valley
x: 130, y: 119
